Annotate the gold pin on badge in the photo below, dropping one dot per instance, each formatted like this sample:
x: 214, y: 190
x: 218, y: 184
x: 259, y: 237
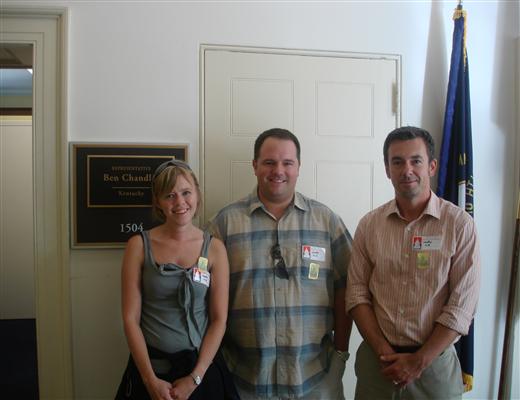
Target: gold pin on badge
x: 423, y: 260
x: 203, y: 263
x: 314, y: 271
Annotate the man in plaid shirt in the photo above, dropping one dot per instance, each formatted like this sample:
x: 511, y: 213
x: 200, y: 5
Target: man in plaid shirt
x: 288, y: 332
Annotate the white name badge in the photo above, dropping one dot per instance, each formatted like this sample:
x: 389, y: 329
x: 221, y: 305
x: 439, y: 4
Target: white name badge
x: 313, y: 253
x: 201, y: 276
x: 432, y: 242
x: 426, y: 242
x: 205, y: 278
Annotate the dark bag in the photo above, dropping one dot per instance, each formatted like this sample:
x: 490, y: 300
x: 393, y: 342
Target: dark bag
x: 217, y: 382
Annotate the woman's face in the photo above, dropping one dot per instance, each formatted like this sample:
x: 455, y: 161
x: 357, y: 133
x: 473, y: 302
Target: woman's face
x: 179, y: 205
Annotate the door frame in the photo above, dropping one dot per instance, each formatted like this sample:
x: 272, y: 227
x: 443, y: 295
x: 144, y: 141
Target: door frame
x: 397, y: 92
x: 46, y: 29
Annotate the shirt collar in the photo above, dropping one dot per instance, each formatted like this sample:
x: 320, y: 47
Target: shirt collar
x: 254, y: 202
x: 433, y: 207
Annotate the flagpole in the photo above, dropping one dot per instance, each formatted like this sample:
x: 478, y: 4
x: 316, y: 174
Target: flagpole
x: 504, y: 369
x: 455, y: 168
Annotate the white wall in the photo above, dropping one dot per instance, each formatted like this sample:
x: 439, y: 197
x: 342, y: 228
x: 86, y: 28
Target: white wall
x: 133, y: 77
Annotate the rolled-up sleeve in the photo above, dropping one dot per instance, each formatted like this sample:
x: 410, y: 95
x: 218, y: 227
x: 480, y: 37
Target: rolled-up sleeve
x: 464, y: 281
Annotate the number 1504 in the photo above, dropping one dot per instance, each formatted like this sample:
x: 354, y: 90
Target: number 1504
x: 131, y: 228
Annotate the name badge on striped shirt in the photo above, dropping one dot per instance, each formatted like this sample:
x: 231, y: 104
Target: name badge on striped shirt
x: 426, y: 242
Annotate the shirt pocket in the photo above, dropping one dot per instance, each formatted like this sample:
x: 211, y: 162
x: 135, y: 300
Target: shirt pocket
x: 433, y: 266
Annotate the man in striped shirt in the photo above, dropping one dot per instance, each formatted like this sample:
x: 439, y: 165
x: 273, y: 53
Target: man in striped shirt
x: 413, y: 281
x: 288, y: 332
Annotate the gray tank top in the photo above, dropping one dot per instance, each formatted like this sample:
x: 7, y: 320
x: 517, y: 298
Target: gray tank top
x: 174, y: 313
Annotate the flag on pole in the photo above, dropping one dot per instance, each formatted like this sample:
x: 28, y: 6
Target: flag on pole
x: 456, y: 157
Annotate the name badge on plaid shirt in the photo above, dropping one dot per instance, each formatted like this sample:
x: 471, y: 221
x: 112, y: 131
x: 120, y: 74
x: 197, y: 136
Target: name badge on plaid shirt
x: 313, y: 253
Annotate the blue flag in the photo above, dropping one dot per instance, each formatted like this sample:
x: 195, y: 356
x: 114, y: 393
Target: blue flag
x: 456, y: 157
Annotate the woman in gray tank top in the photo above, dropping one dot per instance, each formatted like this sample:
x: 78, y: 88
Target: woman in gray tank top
x: 175, y: 281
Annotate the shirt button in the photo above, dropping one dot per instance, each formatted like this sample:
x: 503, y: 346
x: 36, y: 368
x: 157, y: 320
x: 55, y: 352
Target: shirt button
x: 406, y: 256
x: 404, y: 282
x: 401, y: 311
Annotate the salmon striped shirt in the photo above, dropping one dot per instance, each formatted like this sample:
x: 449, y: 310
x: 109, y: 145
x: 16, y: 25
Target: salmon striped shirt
x: 415, y: 274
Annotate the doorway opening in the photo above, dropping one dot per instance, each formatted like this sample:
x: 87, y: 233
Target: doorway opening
x: 18, y: 343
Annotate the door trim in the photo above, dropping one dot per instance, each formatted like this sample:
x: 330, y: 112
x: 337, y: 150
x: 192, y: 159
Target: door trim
x: 268, y: 50
x: 50, y: 180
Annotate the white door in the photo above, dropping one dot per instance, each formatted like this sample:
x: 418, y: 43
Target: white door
x: 340, y: 107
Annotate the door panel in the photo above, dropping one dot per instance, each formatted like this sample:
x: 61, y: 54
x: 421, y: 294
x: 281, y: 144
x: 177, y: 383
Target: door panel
x: 274, y: 96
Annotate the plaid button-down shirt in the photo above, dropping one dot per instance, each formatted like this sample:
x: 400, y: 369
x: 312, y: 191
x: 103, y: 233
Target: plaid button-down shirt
x: 279, y: 337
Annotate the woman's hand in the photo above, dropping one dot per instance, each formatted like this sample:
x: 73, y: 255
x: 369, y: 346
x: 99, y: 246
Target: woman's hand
x: 182, y: 388
x: 159, y: 389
